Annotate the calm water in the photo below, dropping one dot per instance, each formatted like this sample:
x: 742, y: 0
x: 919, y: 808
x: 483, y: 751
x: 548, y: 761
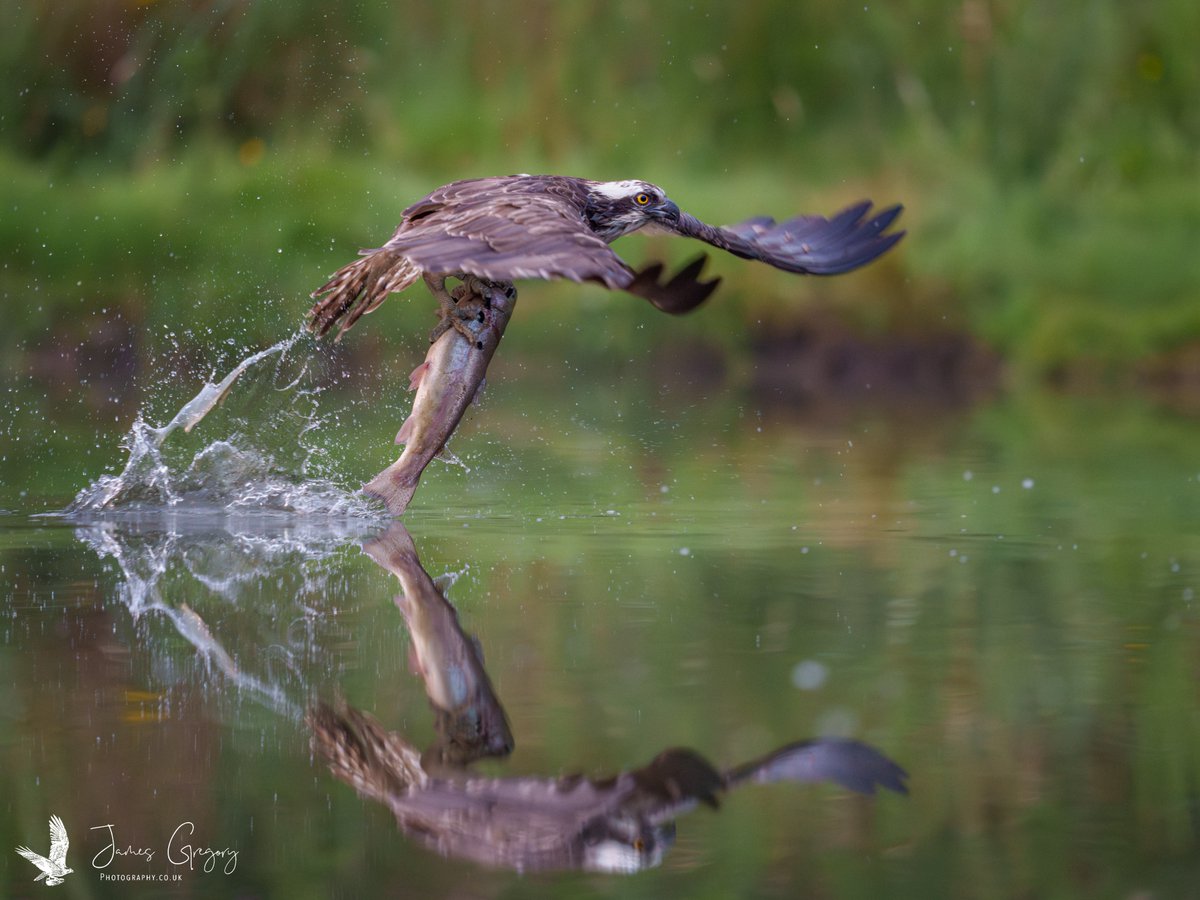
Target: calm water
x: 1002, y: 600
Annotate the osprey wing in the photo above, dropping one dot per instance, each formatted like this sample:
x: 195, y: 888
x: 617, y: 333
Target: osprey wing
x: 58, y: 840
x: 36, y: 858
x: 811, y: 245
x: 505, y: 235
x: 671, y: 784
x: 851, y: 764
x: 683, y: 293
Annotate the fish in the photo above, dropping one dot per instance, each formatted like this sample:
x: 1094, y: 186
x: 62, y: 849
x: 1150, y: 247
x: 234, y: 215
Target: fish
x: 446, y: 383
x: 469, y: 718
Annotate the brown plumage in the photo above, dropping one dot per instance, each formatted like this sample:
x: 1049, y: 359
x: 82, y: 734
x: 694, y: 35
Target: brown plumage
x: 551, y: 226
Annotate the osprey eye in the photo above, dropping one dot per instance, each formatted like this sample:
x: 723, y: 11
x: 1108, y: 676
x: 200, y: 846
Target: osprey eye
x: 642, y: 199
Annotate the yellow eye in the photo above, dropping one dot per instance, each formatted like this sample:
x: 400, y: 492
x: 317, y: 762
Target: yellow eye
x: 641, y: 199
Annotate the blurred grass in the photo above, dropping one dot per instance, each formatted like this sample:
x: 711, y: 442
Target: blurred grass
x: 197, y: 164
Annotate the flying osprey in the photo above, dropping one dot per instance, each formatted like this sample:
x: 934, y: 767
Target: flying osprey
x: 551, y: 226
x: 54, y: 868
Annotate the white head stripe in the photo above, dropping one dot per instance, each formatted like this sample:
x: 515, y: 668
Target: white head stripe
x: 615, y: 190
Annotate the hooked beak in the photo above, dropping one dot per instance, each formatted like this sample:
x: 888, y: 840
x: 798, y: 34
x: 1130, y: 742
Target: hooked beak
x: 668, y: 211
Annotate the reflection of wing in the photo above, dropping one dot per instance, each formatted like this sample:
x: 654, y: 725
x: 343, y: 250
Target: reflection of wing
x: 852, y: 765
x: 677, y: 779
x: 58, y: 840
x: 811, y: 245
x: 670, y: 785
x: 36, y: 858
x: 360, y: 752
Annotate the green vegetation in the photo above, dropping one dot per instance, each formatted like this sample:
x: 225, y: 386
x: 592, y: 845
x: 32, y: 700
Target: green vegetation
x: 189, y: 165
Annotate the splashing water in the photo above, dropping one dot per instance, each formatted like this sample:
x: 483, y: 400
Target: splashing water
x: 236, y: 473
x: 247, y: 596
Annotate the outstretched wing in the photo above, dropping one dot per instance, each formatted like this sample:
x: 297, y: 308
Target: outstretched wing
x: 58, y: 840
x: 851, y: 764
x: 504, y: 234
x: 811, y: 245
x: 36, y: 858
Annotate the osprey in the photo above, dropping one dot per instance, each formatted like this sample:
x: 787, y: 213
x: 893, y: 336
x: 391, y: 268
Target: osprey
x: 550, y: 226
x: 54, y: 867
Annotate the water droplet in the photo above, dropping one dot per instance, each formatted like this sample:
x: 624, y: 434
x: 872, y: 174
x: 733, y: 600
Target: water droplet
x: 810, y: 675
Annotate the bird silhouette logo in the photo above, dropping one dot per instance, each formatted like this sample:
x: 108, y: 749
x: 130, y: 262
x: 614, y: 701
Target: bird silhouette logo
x: 54, y: 868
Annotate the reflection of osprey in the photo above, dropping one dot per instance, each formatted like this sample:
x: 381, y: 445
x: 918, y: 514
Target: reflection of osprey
x: 618, y: 824
x: 55, y: 868
x: 551, y: 226
x: 622, y: 823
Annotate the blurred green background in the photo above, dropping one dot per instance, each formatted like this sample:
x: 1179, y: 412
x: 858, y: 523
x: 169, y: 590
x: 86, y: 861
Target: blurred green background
x: 189, y: 171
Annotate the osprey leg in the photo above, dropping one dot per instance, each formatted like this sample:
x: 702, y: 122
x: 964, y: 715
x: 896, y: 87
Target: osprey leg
x: 450, y: 315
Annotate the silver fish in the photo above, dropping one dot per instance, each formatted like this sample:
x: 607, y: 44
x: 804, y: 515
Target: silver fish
x: 446, y: 383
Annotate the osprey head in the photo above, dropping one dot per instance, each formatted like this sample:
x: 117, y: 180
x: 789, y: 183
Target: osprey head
x: 615, y: 208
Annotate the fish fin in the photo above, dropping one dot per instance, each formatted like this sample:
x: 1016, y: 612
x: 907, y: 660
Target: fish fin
x: 479, y: 391
x: 417, y: 376
x: 405, y: 432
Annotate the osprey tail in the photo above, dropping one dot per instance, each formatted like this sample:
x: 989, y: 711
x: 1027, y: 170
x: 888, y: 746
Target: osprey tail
x: 359, y: 288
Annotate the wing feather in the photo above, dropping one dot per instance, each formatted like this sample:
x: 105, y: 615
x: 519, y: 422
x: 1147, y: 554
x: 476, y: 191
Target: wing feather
x: 58, y: 840
x: 520, y: 227
x: 851, y: 764
x: 505, y: 237
x: 812, y: 245
x: 683, y: 293
x: 36, y: 858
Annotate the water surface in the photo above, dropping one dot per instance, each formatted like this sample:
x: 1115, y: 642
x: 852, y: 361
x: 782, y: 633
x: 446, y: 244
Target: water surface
x: 1002, y: 599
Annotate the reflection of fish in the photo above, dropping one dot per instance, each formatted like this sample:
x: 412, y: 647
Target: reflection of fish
x: 469, y: 719
x: 620, y: 824
x: 446, y: 383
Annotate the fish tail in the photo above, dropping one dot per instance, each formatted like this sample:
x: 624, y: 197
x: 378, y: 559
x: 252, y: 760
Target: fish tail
x: 395, y: 491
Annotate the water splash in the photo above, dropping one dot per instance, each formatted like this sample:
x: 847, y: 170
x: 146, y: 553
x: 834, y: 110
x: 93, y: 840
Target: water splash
x: 246, y: 596
x: 211, y: 394
x: 245, y: 471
